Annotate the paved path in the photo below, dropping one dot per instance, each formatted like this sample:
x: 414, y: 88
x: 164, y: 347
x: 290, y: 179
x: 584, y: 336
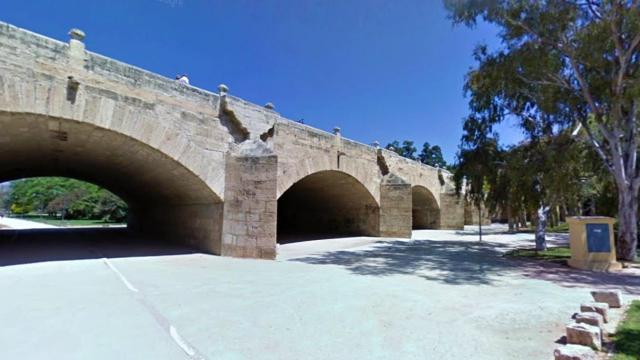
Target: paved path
x: 441, y: 296
x: 13, y: 223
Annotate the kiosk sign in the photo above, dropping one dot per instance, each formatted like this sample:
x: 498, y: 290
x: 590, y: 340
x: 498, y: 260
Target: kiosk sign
x: 598, y: 238
x: 591, y: 242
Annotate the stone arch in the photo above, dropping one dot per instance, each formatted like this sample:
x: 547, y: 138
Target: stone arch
x: 327, y: 203
x: 425, y: 210
x: 188, y: 132
x: 291, y: 173
x: 166, y: 198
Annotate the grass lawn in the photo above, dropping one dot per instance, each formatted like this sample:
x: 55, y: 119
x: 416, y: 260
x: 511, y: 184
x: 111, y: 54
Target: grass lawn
x: 558, y: 254
x: 554, y: 254
x: 58, y: 222
x: 560, y: 228
x: 627, y: 338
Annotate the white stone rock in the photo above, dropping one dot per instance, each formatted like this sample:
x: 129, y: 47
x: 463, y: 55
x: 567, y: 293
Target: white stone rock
x: 597, y: 307
x: 611, y: 297
x: 591, y: 318
x: 574, y: 352
x: 584, y: 334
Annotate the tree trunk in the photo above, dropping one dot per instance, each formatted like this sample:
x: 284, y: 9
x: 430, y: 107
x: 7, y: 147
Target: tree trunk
x: 541, y: 224
x: 510, y: 218
x: 553, y: 222
x: 480, y: 221
x: 563, y: 212
x: 627, y: 224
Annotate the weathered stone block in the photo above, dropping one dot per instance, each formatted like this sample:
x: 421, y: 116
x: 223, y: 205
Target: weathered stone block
x: 584, y: 334
x: 612, y: 297
x: 248, y: 198
x: 597, y: 307
x: 452, y: 211
x: 395, y: 207
x: 574, y: 352
x: 591, y: 318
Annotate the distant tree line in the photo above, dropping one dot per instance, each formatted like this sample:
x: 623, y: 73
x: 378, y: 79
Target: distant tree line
x: 541, y: 181
x: 62, y: 197
x: 430, y: 155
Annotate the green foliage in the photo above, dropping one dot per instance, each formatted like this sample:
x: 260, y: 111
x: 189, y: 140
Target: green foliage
x: 69, y: 198
x: 562, y: 63
x: 553, y: 254
x: 20, y: 209
x: 475, y: 169
x: 57, y: 221
x: 548, y: 169
x: 430, y: 155
x: 627, y: 337
x: 406, y: 149
x: 4, y: 197
x: 560, y: 228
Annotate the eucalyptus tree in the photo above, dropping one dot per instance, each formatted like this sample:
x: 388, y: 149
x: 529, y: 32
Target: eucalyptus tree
x: 474, y: 175
x: 564, y: 63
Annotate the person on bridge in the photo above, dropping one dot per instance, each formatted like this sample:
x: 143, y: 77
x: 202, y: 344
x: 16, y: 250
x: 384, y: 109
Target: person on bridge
x: 182, y: 79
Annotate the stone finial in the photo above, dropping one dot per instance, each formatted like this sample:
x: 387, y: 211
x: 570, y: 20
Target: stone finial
x: 77, y: 34
x: 269, y: 106
x: 223, y: 89
x: 376, y: 144
x: 336, y: 130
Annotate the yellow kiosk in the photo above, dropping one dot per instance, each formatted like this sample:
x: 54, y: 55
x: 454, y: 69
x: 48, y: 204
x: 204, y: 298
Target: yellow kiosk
x: 591, y: 241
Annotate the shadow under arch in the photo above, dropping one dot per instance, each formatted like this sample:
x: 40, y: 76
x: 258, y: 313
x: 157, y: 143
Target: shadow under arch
x: 425, y: 211
x: 324, y: 204
x: 166, y: 200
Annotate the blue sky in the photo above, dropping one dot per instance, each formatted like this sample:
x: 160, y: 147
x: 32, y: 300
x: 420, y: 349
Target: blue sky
x: 380, y: 69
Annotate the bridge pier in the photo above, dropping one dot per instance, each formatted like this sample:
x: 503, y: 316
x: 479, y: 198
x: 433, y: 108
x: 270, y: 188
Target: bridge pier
x: 395, y: 207
x: 451, y: 211
x: 250, y: 209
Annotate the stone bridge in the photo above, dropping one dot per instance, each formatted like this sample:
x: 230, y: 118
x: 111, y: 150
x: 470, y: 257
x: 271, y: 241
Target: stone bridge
x: 209, y: 169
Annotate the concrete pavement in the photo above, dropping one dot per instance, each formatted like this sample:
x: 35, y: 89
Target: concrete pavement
x: 440, y: 296
x: 20, y: 224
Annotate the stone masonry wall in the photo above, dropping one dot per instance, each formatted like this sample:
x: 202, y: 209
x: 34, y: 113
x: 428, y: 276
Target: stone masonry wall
x: 452, y: 211
x: 186, y: 141
x: 249, y: 220
x: 199, y: 226
x: 395, y: 208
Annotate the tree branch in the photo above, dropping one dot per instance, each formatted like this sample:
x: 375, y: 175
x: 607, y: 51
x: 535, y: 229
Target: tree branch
x: 596, y: 145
